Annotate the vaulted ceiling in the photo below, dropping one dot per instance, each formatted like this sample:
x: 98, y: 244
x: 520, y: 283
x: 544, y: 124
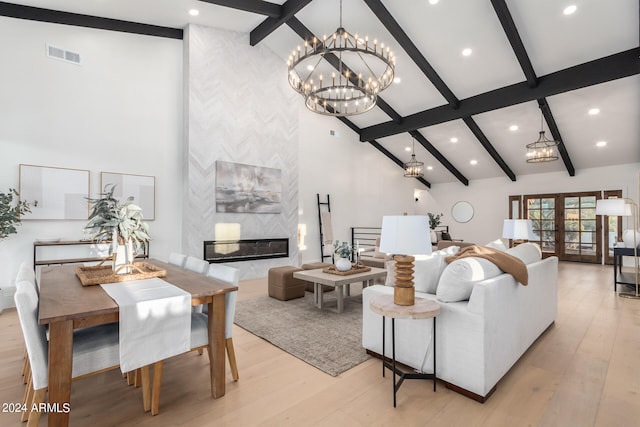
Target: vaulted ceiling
x: 527, y: 57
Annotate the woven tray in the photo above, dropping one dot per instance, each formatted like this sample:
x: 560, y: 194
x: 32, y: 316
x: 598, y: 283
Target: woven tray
x: 98, y: 274
x: 354, y: 270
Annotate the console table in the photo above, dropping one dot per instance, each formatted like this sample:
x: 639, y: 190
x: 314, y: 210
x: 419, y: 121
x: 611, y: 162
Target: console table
x: 38, y: 244
x: 618, y: 276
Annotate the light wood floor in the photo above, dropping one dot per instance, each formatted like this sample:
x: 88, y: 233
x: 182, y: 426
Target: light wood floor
x: 583, y: 371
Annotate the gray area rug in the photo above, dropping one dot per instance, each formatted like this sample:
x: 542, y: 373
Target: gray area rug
x: 329, y: 341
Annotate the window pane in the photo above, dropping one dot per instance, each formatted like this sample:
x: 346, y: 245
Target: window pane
x: 533, y: 203
x: 588, y: 202
x: 588, y: 213
x: 588, y: 225
x: 571, y: 214
x: 548, y: 225
x: 571, y: 202
x: 571, y: 237
x: 548, y: 203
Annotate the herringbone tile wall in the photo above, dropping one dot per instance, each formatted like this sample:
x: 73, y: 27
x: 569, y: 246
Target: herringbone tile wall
x: 239, y: 108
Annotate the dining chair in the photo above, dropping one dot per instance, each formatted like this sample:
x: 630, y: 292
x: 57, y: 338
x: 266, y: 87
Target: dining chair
x: 177, y: 259
x: 199, y: 266
x: 196, y: 265
x: 200, y: 331
x: 95, y: 349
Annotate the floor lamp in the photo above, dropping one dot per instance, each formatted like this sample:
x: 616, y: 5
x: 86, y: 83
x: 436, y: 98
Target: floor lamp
x: 408, y: 235
x: 623, y: 207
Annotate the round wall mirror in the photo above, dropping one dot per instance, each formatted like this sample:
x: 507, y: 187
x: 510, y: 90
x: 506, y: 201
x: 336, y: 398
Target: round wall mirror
x: 462, y: 212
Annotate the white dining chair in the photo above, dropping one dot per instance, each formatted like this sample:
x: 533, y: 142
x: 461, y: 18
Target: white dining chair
x: 177, y: 259
x: 200, y: 329
x: 95, y: 349
x: 196, y: 265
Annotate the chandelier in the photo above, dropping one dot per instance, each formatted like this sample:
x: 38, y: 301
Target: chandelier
x: 318, y: 71
x: 413, y: 168
x: 542, y: 150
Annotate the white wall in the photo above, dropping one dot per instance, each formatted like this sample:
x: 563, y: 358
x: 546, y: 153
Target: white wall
x: 120, y: 111
x: 363, y: 184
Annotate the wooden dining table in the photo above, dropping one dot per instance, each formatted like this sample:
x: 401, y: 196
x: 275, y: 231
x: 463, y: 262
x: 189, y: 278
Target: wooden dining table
x: 66, y: 305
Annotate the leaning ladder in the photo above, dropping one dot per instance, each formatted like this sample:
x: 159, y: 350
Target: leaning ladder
x: 320, y: 222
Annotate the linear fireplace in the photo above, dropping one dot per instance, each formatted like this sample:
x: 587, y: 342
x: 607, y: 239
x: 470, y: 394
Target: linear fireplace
x: 245, y: 249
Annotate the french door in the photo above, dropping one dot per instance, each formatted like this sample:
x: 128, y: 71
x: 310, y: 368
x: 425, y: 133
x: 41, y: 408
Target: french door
x: 565, y: 225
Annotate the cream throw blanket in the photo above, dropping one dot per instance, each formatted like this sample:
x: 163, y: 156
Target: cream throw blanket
x: 505, y: 262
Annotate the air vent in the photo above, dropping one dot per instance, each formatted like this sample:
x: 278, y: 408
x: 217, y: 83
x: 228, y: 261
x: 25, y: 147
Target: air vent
x: 63, y: 55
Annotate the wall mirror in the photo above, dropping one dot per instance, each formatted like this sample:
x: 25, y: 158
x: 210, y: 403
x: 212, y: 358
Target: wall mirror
x: 462, y: 211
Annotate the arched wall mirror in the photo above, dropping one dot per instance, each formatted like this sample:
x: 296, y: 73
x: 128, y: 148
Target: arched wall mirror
x: 462, y: 212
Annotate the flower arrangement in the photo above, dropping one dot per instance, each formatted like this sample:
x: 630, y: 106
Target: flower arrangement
x: 434, y: 220
x: 343, y: 250
x: 10, y: 213
x: 120, y: 221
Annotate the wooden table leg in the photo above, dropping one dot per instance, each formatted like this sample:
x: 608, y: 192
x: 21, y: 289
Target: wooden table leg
x: 60, y: 364
x: 216, y: 345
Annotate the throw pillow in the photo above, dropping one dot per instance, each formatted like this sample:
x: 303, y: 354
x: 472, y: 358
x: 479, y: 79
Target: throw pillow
x: 526, y: 252
x: 446, y: 236
x: 497, y: 244
x: 458, y: 278
x: 426, y: 272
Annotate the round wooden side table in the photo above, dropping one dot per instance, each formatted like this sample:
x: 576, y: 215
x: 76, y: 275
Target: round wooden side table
x: 422, y: 309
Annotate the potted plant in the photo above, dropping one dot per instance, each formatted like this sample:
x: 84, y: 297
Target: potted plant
x: 10, y: 213
x: 343, y: 250
x: 434, y: 220
x: 118, y: 222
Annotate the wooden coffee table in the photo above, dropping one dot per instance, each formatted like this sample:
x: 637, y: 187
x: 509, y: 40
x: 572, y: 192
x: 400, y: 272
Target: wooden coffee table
x: 339, y: 282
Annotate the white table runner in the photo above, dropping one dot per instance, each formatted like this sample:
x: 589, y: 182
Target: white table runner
x: 155, y: 321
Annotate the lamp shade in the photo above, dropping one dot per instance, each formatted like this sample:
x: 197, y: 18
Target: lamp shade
x: 517, y: 229
x: 407, y: 235
x: 613, y: 207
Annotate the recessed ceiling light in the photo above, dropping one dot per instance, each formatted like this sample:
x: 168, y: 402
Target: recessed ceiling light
x: 594, y: 111
x: 310, y: 67
x: 433, y: 1
x: 601, y: 143
x: 194, y: 12
x: 467, y: 51
x: 454, y: 140
x: 397, y: 80
x: 407, y: 148
x: 570, y: 9
x: 429, y: 168
x: 513, y: 128
x: 473, y: 162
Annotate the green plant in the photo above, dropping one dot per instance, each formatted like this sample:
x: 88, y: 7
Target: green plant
x: 434, y: 220
x: 10, y: 213
x: 343, y: 250
x: 111, y: 219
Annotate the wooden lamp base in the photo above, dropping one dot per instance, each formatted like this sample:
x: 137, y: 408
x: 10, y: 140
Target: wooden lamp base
x: 404, y: 293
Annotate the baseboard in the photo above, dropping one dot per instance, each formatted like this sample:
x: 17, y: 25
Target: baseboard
x: 450, y: 386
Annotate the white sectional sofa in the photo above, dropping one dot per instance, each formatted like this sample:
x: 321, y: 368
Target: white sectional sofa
x: 480, y: 337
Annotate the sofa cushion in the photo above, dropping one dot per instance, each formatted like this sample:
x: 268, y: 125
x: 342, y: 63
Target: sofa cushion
x: 458, y: 278
x: 526, y: 252
x: 426, y: 272
x: 497, y: 244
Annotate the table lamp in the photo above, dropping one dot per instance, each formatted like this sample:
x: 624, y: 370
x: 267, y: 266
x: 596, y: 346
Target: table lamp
x: 518, y: 230
x: 623, y: 207
x: 405, y: 236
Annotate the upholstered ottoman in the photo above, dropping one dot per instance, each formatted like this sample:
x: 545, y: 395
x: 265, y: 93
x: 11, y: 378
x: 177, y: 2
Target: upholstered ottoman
x: 282, y: 284
x: 315, y: 266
